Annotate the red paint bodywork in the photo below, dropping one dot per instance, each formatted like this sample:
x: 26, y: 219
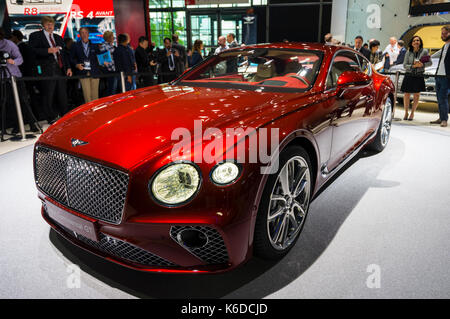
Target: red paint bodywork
x: 132, y: 132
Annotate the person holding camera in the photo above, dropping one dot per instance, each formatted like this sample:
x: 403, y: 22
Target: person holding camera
x: 416, y: 60
x: 47, y: 46
x: 10, y: 60
x: 169, y: 58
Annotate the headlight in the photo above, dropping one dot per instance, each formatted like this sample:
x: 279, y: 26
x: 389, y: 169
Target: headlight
x: 176, y: 184
x: 225, y: 173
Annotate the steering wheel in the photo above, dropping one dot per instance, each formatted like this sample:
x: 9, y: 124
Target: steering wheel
x: 300, y: 78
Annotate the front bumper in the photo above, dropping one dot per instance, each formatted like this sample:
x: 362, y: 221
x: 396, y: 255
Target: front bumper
x: 153, y: 247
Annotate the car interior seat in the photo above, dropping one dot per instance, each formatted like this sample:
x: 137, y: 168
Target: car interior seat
x: 263, y: 72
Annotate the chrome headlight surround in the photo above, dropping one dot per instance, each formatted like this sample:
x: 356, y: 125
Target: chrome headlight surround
x: 237, y: 165
x: 184, y: 201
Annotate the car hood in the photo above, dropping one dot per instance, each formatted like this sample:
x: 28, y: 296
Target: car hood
x: 127, y: 129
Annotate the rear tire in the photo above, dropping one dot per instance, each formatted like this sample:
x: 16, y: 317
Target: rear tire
x: 384, y: 130
x: 284, y: 205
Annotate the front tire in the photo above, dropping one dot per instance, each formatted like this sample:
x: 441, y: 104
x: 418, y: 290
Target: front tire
x: 384, y: 130
x: 284, y: 205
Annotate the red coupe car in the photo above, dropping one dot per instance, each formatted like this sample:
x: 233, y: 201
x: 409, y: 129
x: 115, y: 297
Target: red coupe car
x: 145, y: 178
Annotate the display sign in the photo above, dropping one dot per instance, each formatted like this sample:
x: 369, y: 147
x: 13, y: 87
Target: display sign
x: 250, y: 29
x: 197, y: 2
x: 69, y: 15
x: 420, y: 7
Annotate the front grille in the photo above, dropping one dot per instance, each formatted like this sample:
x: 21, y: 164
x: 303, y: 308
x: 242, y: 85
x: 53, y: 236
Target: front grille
x: 120, y: 249
x: 89, y: 188
x: 214, y: 252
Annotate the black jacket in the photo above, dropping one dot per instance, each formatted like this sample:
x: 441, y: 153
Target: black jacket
x: 183, y: 57
x: 79, y: 57
x: 364, y: 52
x: 123, y: 59
x: 447, y: 62
x: 46, y: 61
x: 401, y: 57
x: 163, y: 59
x: 28, y: 67
x: 142, y: 59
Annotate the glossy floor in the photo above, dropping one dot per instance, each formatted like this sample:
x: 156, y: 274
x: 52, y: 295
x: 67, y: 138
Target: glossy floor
x: 392, y: 219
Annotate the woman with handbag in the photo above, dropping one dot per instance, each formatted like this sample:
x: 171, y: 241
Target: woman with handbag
x: 416, y: 60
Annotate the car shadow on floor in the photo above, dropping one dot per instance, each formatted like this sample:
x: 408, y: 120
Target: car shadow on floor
x: 257, y: 278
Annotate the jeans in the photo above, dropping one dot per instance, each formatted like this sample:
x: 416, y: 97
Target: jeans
x: 442, y: 88
x: 130, y: 86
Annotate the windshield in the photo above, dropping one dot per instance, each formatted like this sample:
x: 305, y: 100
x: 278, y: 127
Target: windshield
x: 261, y: 69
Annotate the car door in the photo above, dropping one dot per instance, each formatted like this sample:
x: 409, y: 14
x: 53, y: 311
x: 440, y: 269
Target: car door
x: 351, y: 110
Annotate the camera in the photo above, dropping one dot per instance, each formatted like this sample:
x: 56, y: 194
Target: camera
x: 4, y: 57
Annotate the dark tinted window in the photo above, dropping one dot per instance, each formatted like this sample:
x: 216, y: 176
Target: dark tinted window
x: 343, y: 61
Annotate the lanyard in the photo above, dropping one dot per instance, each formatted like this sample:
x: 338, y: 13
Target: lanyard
x: 86, y: 50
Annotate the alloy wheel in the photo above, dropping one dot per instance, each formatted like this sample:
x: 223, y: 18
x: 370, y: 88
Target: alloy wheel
x: 386, y: 123
x: 289, y: 203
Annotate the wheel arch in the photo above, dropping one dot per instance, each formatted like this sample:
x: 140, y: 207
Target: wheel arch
x: 301, y: 138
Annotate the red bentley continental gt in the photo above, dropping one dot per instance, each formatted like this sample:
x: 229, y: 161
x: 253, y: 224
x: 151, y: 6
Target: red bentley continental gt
x: 200, y: 174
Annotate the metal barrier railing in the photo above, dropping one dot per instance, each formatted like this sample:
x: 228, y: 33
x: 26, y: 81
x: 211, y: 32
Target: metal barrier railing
x: 397, y: 75
x: 123, y: 75
x: 14, y: 80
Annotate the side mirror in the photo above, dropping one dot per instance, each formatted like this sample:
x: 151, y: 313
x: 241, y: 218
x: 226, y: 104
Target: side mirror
x: 350, y: 79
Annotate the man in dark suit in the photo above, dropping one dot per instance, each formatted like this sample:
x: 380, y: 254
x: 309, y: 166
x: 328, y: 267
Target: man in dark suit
x: 181, y: 66
x: 84, y: 57
x: 402, y: 54
x: 359, y: 41
x: 124, y: 60
x: 232, y: 64
x: 51, y: 62
x: 168, y: 58
x: 144, y: 62
x: 28, y: 69
x: 443, y: 78
x: 231, y: 39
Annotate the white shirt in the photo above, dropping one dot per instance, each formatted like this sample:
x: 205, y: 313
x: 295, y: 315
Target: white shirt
x: 47, y: 35
x: 220, y: 49
x: 441, y: 68
x: 393, y: 52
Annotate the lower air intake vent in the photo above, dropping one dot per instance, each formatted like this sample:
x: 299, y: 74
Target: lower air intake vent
x: 212, y: 252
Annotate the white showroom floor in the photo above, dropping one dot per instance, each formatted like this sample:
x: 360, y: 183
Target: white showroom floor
x: 385, y: 220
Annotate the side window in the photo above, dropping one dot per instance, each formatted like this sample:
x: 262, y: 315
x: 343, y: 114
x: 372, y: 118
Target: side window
x: 365, y: 64
x: 343, y: 61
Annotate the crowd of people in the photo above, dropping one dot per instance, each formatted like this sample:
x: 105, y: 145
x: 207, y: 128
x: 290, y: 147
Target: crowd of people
x: 414, y: 58
x: 47, y: 54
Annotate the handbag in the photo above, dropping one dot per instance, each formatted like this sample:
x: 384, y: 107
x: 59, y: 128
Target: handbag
x: 425, y: 59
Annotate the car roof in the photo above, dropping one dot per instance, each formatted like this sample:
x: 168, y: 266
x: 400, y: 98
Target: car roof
x: 300, y: 46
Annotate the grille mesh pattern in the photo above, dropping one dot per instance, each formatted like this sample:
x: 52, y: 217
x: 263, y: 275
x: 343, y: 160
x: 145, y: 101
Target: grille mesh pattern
x: 214, y: 252
x: 121, y: 249
x: 86, y: 187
